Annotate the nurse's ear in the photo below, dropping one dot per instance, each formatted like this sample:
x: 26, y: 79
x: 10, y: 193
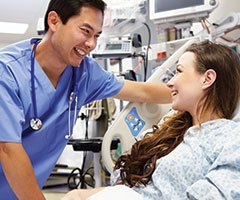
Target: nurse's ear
x: 53, y: 20
x: 209, y: 78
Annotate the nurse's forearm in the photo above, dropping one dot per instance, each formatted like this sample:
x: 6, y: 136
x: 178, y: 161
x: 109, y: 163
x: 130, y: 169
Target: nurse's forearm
x: 145, y: 92
x: 19, y: 172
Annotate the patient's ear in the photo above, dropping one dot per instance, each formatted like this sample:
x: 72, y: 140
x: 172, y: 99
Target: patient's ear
x: 209, y: 78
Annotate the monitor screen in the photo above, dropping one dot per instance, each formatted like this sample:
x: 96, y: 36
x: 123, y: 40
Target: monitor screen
x: 167, y: 5
x: 180, y: 10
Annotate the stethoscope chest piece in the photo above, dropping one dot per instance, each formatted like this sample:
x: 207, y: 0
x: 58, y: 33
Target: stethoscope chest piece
x: 35, y: 124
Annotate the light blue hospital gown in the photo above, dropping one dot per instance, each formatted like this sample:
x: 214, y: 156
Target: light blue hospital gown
x: 206, y: 166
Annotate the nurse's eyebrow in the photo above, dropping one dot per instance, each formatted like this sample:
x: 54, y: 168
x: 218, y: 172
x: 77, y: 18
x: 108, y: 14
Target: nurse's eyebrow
x: 90, y: 27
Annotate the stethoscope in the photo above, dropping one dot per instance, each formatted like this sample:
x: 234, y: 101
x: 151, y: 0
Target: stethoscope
x: 35, y: 122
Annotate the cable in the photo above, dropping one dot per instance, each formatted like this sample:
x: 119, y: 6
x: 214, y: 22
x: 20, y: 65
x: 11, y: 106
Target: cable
x: 84, y: 153
x: 75, y: 178
x: 230, y: 41
x: 148, y: 47
x: 204, y: 25
x: 78, y: 179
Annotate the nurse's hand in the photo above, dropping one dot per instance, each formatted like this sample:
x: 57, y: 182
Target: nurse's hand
x: 81, y: 194
x: 74, y: 194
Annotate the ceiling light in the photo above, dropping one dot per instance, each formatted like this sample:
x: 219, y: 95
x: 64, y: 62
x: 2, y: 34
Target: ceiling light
x: 14, y: 28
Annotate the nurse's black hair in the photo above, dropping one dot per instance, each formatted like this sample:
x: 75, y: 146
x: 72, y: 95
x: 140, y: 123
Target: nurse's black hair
x: 68, y: 8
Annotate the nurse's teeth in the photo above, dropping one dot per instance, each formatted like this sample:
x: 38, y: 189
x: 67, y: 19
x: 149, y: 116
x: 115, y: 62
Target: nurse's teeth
x: 82, y: 53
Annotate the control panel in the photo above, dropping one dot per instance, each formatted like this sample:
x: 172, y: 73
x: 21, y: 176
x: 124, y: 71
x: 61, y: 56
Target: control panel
x: 134, y: 122
x: 115, y: 49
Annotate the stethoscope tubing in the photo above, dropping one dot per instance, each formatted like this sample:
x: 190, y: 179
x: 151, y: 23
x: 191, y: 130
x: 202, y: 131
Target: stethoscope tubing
x: 33, y: 93
x: 35, y: 121
x: 70, y: 130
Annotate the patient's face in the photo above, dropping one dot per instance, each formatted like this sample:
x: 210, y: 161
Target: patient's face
x: 186, y: 85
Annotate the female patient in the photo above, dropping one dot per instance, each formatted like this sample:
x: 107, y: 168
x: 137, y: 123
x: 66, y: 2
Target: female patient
x: 192, y: 154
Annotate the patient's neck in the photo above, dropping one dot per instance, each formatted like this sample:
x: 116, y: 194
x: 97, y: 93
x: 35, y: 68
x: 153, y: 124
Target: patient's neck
x: 207, y: 116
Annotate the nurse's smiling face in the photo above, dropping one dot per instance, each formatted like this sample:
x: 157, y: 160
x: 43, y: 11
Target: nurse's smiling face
x: 74, y: 40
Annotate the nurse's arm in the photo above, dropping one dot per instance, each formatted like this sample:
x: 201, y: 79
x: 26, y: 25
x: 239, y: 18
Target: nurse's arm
x: 144, y: 92
x: 19, y: 172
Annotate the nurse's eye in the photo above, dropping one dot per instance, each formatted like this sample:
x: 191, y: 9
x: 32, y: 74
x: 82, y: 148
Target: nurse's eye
x: 86, y: 31
x: 97, y: 36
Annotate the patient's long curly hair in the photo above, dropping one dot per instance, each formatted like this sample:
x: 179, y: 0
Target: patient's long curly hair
x: 137, y: 167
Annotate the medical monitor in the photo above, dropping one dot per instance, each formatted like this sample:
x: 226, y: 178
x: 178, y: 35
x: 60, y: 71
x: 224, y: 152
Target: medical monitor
x: 163, y: 11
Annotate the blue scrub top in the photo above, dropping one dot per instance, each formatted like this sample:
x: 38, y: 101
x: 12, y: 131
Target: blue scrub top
x: 45, y: 145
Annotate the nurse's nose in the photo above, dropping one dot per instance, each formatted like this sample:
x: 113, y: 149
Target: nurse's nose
x: 91, y: 43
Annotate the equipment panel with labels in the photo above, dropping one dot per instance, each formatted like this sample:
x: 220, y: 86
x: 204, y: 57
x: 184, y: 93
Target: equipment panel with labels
x: 115, y: 49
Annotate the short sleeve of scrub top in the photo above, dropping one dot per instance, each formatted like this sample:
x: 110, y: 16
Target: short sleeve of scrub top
x: 11, y: 108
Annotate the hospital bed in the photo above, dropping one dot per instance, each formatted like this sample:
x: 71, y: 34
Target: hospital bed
x: 136, y: 118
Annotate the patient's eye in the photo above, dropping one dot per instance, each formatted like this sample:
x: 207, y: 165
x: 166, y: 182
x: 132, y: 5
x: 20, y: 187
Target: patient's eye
x: 178, y: 70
